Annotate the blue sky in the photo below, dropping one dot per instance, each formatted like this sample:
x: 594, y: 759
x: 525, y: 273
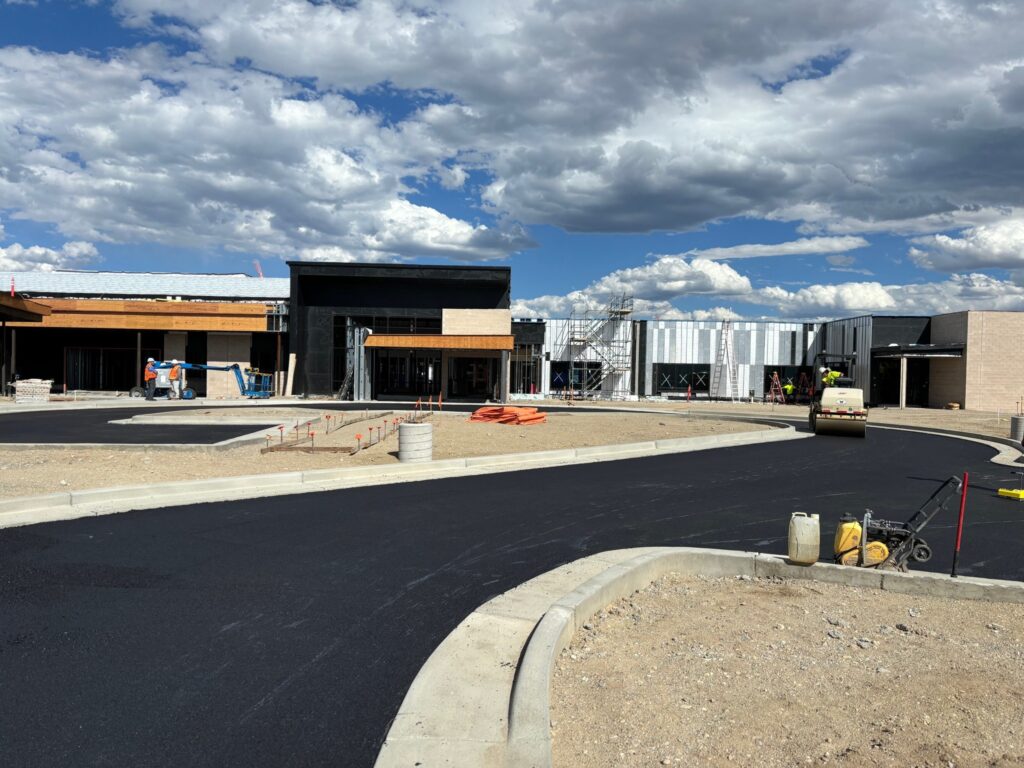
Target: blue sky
x: 805, y: 159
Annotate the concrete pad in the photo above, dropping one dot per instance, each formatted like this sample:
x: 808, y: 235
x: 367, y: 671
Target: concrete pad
x: 461, y: 693
x: 440, y: 753
x: 532, y: 599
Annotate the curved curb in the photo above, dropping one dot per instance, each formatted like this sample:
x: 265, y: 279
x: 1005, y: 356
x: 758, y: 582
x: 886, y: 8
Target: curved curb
x: 483, y: 696
x: 104, y: 501
x: 529, y: 744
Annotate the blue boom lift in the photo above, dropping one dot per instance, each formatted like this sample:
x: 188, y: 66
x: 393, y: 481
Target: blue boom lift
x: 251, y: 383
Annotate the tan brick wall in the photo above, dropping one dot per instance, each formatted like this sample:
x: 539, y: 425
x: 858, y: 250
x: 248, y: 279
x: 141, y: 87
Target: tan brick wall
x: 476, y: 322
x: 995, y: 360
x: 947, y: 377
x: 225, y: 349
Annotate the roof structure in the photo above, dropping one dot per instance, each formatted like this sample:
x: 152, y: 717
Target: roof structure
x: 124, y: 285
x: 21, y: 310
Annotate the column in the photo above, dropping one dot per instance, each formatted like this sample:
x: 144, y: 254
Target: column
x: 903, y: 382
x: 444, y: 374
x: 504, y: 374
x: 138, y: 358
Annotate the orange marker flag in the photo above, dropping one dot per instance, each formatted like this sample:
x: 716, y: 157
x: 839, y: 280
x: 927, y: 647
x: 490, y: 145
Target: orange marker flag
x: 439, y: 401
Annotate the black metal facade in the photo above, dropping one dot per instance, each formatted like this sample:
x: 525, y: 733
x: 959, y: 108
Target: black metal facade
x: 321, y: 292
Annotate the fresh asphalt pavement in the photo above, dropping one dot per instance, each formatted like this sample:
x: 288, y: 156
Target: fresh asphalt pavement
x: 285, y: 631
x: 93, y: 425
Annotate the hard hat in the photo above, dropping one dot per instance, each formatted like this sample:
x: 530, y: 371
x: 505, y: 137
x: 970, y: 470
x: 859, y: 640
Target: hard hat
x: 150, y: 360
x: 823, y: 370
x: 174, y: 362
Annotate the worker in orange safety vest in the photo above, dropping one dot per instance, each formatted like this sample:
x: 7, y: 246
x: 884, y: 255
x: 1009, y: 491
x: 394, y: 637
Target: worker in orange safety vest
x: 175, y: 377
x: 150, y: 377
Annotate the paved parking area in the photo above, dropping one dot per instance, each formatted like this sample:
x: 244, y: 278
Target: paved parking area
x: 285, y: 631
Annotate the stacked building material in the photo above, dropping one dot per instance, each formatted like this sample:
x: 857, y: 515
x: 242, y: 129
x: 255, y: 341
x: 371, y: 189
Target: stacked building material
x: 509, y: 415
x: 32, y: 390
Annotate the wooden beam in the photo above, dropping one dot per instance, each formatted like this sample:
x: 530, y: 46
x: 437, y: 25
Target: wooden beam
x: 23, y: 310
x: 155, y: 315
x: 437, y: 341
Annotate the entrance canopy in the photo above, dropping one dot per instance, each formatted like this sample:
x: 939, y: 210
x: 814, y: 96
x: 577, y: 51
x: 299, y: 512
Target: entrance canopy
x: 439, y: 341
x: 919, y: 350
x: 21, y: 310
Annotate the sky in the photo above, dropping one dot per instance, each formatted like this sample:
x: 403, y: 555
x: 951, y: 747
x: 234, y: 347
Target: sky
x: 795, y: 159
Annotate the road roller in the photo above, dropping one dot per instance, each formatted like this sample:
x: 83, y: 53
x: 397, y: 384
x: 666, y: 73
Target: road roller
x: 837, y: 407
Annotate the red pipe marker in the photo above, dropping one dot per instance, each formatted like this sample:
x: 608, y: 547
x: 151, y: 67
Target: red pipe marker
x: 959, y: 527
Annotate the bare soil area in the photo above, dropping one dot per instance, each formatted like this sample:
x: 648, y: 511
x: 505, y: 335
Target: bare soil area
x: 992, y: 423
x: 714, y: 672
x: 38, y: 471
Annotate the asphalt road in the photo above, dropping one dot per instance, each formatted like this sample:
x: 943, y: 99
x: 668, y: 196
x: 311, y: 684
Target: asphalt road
x: 285, y: 631
x: 92, y: 425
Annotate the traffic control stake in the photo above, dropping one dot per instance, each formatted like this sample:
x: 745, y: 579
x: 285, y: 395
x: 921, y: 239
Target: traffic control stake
x: 959, y: 527
x: 312, y: 442
x: 280, y: 431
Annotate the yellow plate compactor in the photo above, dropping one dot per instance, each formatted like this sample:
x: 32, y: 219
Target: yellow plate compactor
x: 876, y: 543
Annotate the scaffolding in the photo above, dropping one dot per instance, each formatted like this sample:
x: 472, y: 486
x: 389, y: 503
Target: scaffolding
x: 600, y: 350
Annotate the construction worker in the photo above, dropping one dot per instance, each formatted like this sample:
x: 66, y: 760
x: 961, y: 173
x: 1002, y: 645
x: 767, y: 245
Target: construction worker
x: 830, y: 377
x: 150, y: 376
x: 788, y: 389
x: 175, y: 378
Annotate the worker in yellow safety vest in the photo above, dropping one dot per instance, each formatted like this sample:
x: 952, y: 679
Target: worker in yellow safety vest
x: 787, y: 390
x: 830, y: 377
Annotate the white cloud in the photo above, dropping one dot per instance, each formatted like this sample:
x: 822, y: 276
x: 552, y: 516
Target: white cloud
x: 587, y: 115
x: 36, y: 258
x: 1000, y: 244
x: 807, y: 246
x: 671, y: 277
x: 958, y: 293
x: 603, y: 116
x: 151, y: 148
x: 653, y: 287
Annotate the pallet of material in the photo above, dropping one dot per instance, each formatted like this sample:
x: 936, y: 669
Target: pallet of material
x: 508, y: 415
x: 32, y: 390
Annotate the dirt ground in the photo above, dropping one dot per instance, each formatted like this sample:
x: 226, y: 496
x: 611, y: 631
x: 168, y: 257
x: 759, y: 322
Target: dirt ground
x: 993, y: 423
x: 38, y: 471
x: 714, y: 672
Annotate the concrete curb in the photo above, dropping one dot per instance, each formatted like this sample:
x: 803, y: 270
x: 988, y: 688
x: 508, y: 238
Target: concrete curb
x: 483, y: 697
x: 103, y: 501
x: 249, y: 438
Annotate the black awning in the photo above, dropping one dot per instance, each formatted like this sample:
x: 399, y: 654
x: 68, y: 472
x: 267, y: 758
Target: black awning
x: 919, y: 350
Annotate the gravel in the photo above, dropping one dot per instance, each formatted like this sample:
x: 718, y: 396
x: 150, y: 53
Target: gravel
x: 710, y: 672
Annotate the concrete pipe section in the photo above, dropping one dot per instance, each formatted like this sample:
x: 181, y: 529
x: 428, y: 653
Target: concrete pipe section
x: 285, y: 631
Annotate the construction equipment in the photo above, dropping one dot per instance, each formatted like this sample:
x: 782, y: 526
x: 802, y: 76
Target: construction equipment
x: 877, y: 543
x: 251, y: 383
x: 837, y: 408
x: 1014, y: 493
